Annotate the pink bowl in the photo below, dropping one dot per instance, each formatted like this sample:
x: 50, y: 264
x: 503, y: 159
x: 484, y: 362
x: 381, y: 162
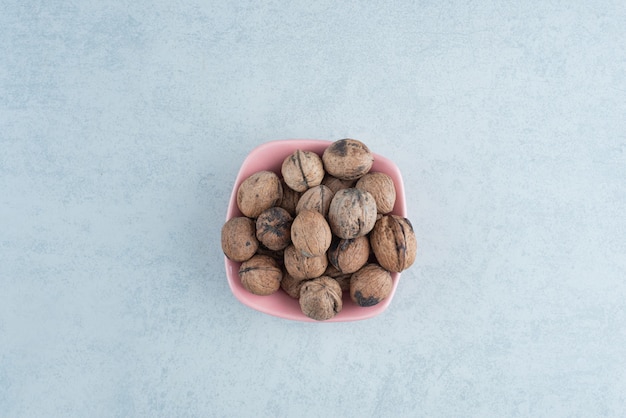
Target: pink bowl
x: 270, y: 156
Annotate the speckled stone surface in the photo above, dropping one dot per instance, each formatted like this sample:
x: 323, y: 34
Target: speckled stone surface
x: 122, y: 127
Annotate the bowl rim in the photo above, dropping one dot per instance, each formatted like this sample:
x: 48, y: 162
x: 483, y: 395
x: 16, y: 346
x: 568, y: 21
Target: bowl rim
x: 255, y: 301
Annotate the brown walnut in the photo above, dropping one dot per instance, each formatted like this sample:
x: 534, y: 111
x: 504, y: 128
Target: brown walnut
x: 370, y: 285
x: 290, y: 198
x: 301, y: 267
x: 393, y: 242
x: 239, y: 241
x: 335, y: 184
x: 260, y: 191
x: 317, y: 198
x: 260, y: 275
x: 302, y: 170
x: 352, y: 213
x: 310, y: 233
x: 381, y: 187
x: 291, y: 286
x: 273, y: 228
x: 320, y: 298
x: 349, y: 255
x: 347, y: 159
x: 278, y: 255
x: 342, y: 278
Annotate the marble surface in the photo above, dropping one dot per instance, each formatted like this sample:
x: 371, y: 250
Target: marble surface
x: 122, y: 128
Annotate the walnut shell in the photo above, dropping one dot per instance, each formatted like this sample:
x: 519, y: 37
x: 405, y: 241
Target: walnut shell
x: 260, y: 275
x: 320, y: 298
x: 342, y: 278
x: 291, y: 286
x: 260, y: 191
x: 352, y: 213
x: 370, y: 285
x: 310, y: 233
x: 301, y: 267
x: 335, y: 184
x: 302, y: 170
x: 381, y: 187
x: 239, y: 241
x: 290, y: 198
x: 347, y: 159
x: 273, y: 228
x: 278, y: 255
x: 317, y: 198
x: 393, y: 242
x: 349, y: 255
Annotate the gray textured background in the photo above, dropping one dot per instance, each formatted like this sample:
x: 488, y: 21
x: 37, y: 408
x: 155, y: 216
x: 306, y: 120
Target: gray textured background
x: 122, y: 127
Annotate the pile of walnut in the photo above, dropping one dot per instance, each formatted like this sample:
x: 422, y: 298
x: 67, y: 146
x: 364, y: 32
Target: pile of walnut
x: 321, y: 230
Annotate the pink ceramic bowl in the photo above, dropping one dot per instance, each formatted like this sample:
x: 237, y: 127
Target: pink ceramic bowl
x: 270, y: 156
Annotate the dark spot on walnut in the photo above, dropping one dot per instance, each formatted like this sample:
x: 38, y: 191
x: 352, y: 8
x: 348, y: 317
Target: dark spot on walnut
x: 401, y: 244
x: 340, y: 147
x: 363, y: 301
x: 361, y: 169
x: 273, y: 228
x: 277, y: 222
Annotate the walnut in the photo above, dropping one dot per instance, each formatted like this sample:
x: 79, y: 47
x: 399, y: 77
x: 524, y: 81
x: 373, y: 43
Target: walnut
x: 381, y: 187
x: 278, y: 255
x: 349, y: 255
x: 352, y: 213
x: 273, y: 228
x: 393, y: 242
x: 239, y: 242
x: 317, y: 198
x: 320, y: 298
x: 290, y: 198
x: 302, y: 170
x: 260, y: 275
x: 370, y: 285
x: 347, y: 159
x: 301, y: 267
x: 260, y: 191
x: 335, y: 184
x: 321, y: 231
x: 291, y: 286
x: 310, y: 233
x: 342, y: 278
